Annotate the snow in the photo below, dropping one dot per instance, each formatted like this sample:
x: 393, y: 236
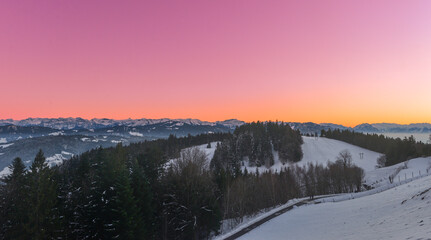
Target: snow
x: 6, y: 145
x: 3, y: 140
x: 57, y: 159
x: 136, y: 134
x: 66, y: 153
x: 409, y: 169
x: 56, y: 133
x: 85, y: 139
x: 321, y: 150
x: 5, y: 171
x: 208, y: 151
x: 402, y: 212
x: 227, y: 230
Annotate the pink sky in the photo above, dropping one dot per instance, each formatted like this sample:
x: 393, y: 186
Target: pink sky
x: 345, y: 62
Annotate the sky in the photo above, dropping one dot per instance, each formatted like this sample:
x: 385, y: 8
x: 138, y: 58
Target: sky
x: 345, y: 62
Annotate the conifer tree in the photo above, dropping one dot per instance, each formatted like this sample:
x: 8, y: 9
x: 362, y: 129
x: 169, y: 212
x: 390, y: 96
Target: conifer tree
x: 13, y: 206
x: 43, y: 213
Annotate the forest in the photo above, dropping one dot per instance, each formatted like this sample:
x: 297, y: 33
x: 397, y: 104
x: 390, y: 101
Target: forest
x: 255, y: 144
x: 130, y: 192
x: 396, y: 150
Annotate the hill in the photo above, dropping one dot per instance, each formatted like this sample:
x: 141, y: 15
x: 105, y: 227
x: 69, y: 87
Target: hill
x: 399, y: 213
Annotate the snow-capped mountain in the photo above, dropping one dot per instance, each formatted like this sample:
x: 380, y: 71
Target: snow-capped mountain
x: 96, y: 123
x: 403, y: 128
x: 309, y: 127
x: 365, y: 127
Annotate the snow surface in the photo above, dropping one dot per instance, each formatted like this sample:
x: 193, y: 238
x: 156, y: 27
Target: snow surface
x: 5, y: 171
x: 407, y: 170
x: 58, y: 158
x: 6, y: 145
x: 136, y: 134
x: 208, y: 151
x: 227, y: 230
x: 321, y: 150
x: 399, y: 213
x: 3, y: 140
x: 56, y: 133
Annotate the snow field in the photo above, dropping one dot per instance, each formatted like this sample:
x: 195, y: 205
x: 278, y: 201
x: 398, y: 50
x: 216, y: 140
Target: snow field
x: 402, y: 212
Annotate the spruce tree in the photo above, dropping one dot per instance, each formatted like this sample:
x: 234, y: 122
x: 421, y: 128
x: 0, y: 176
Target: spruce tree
x: 14, y: 202
x: 43, y: 198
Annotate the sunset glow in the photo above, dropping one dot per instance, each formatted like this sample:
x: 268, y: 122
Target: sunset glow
x: 344, y: 62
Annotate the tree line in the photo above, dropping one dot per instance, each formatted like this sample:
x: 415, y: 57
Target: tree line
x: 396, y: 150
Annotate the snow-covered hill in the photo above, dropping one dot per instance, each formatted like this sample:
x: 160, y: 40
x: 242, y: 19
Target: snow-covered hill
x: 321, y: 150
x: 403, y: 212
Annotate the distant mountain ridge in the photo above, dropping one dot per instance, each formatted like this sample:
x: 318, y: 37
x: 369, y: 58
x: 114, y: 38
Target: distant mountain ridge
x: 97, y: 123
x: 309, y: 127
x: 306, y: 127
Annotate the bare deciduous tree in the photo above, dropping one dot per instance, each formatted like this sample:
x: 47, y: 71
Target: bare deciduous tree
x: 345, y: 157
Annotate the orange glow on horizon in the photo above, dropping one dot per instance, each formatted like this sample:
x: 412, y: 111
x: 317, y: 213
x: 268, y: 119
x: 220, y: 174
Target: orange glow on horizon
x: 342, y: 62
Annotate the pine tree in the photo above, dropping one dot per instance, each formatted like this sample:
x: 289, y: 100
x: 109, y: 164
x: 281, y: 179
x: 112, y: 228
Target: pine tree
x: 43, y: 196
x: 14, y: 202
x: 144, y: 197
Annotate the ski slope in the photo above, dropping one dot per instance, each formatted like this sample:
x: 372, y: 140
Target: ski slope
x: 403, y: 212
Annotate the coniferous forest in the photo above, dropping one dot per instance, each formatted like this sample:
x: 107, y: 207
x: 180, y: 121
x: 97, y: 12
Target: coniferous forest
x: 396, y: 150
x: 139, y: 192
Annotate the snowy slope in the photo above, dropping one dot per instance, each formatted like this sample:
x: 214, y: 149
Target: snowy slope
x: 208, y: 151
x: 321, y: 150
x: 403, y: 212
x: 399, y: 172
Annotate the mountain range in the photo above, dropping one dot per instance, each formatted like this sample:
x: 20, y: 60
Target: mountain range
x: 310, y: 127
x: 61, y: 138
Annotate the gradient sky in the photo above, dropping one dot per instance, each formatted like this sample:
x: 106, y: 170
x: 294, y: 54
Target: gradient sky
x: 344, y: 62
